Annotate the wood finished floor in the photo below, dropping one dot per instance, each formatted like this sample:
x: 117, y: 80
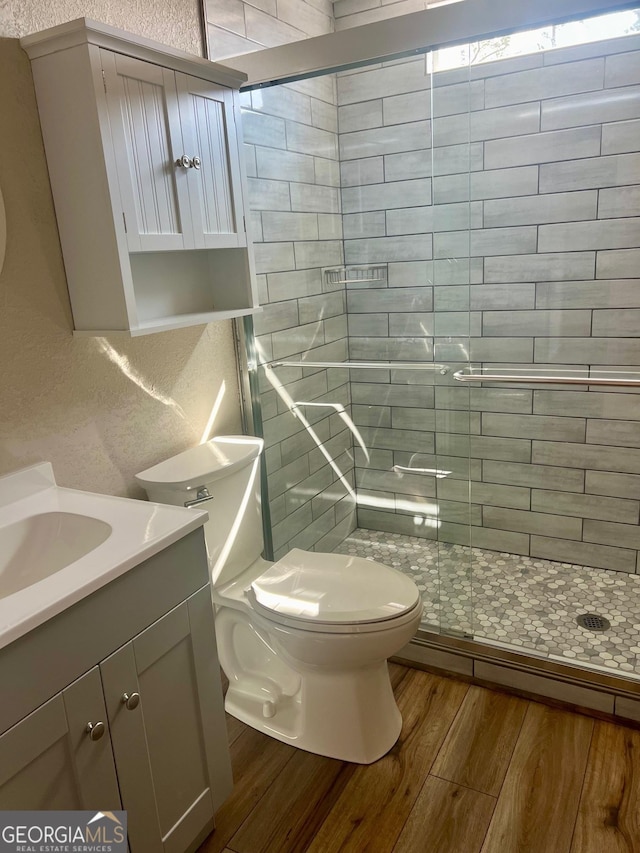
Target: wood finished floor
x: 474, y: 771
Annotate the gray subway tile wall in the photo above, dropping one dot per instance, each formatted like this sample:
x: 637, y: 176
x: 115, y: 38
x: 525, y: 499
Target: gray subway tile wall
x: 530, y: 206
x: 291, y: 150
x: 511, y: 192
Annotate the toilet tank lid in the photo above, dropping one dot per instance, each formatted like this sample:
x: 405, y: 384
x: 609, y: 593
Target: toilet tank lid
x: 204, y: 463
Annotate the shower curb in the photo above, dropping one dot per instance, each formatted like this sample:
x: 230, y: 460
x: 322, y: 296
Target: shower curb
x: 591, y: 692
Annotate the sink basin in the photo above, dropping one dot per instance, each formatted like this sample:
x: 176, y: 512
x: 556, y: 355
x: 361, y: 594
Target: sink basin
x: 41, y: 545
x: 60, y: 545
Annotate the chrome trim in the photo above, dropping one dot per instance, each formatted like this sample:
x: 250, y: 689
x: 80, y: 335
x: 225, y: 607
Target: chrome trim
x: 202, y: 495
x: 364, y: 365
x: 409, y: 35
x: 525, y: 660
x: 251, y: 407
x: 461, y: 376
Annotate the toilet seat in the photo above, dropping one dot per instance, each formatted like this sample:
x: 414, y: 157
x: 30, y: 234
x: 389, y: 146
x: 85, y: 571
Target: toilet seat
x: 333, y: 593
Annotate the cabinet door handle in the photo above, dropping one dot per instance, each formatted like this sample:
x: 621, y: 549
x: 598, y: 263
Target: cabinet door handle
x: 95, y: 730
x: 130, y: 700
x: 184, y: 161
x: 197, y: 162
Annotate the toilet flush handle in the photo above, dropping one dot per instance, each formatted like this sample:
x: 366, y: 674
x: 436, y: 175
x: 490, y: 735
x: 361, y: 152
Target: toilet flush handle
x: 202, y: 495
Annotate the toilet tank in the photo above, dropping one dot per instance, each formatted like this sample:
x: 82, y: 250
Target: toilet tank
x: 223, y: 477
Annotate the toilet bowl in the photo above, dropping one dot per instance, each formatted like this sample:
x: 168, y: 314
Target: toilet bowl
x: 303, y: 641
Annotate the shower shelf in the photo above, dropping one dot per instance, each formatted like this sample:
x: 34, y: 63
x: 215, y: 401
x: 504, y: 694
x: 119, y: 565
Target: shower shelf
x: 355, y: 274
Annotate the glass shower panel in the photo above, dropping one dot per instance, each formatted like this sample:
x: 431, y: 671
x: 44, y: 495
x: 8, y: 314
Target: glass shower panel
x: 559, y: 244
x: 387, y: 163
x: 453, y: 213
x: 345, y: 368
x: 424, y: 223
x: 291, y: 147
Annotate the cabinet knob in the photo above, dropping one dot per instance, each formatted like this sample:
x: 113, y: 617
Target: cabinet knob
x: 197, y: 162
x: 130, y: 700
x: 184, y: 161
x: 95, y: 730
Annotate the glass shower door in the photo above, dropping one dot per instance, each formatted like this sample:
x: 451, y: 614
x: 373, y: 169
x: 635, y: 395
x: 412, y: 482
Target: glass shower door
x: 478, y: 217
x: 455, y: 327
x: 367, y: 439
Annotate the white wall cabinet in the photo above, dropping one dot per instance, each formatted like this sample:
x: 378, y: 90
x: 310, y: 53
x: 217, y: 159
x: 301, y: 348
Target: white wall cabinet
x: 145, y: 160
x: 144, y: 729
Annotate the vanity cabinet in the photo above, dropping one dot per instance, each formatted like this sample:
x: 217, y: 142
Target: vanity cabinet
x: 144, y: 729
x: 48, y: 760
x: 145, y: 159
x: 163, y: 746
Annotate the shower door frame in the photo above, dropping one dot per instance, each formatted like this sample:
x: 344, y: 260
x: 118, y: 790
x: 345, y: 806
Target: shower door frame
x: 445, y: 24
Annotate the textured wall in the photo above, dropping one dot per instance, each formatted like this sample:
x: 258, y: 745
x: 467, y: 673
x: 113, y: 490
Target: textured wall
x: 98, y: 409
x: 531, y: 258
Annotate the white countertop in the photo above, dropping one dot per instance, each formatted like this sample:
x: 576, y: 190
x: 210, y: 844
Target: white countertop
x: 139, y: 530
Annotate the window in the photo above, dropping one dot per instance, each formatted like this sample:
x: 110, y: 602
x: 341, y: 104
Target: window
x: 546, y: 38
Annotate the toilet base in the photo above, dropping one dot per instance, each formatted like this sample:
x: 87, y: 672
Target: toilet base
x: 350, y: 714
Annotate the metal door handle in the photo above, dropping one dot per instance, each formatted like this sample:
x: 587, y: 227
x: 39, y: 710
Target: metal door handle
x: 197, y: 162
x: 130, y: 700
x: 184, y: 161
x: 95, y: 730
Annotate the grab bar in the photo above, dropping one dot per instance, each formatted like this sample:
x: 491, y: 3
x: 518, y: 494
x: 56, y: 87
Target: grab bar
x: 365, y: 365
x: 461, y: 376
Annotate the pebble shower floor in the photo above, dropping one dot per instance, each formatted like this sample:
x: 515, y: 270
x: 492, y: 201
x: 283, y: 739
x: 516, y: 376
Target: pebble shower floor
x: 515, y: 601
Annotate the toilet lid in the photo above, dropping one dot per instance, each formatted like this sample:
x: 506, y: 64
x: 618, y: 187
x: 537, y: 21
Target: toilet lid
x: 332, y: 588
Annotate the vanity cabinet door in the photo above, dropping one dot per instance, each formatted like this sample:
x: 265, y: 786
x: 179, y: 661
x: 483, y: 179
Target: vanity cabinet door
x: 143, y: 112
x: 170, y: 749
x: 49, y: 761
x: 209, y: 137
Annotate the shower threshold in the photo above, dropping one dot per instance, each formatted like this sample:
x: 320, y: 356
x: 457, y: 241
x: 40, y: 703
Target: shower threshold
x: 520, y: 604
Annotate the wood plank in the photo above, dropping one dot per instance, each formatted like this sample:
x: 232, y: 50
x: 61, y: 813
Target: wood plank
x: 291, y: 812
x: 453, y: 818
x: 609, y: 813
x: 539, y: 800
x: 234, y: 728
x: 376, y: 801
x: 257, y: 760
x: 397, y: 672
x: 478, y: 748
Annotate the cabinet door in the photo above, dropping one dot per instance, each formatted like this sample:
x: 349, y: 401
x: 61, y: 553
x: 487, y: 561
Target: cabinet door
x: 48, y: 761
x: 168, y: 750
x: 147, y: 142
x: 209, y: 135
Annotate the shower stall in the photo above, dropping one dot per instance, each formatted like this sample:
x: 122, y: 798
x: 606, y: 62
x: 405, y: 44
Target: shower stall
x: 446, y: 371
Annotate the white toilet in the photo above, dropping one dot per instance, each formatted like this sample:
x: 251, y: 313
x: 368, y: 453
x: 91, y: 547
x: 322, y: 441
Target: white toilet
x: 304, y: 641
